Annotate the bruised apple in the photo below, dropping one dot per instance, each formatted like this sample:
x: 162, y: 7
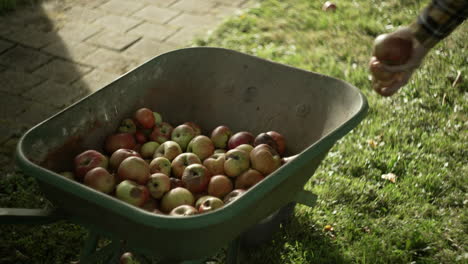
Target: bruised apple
x: 181, y: 162
x: 220, y: 136
x: 237, y: 161
x: 215, y: 163
x: 158, y: 184
x: 183, y: 210
x: 196, y: 178
x: 265, y: 159
x: 132, y: 193
x: 248, y: 179
x: 168, y: 149
x: 210, y: 204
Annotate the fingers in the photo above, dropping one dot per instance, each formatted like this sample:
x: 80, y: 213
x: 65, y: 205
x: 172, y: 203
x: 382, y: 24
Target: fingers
x: 388, y: 88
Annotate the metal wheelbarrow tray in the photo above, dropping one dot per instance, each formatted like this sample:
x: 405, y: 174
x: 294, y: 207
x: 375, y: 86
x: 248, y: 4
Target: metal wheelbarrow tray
x: 210, y: 86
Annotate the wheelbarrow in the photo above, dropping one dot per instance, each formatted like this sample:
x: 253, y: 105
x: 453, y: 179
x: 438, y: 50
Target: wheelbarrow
x: 210, y: 86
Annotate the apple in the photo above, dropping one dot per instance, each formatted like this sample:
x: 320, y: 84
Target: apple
x: 169, y: 149
x: 68, y: 174
x: 157, y: 118
x: 144, y: 118
x: 219, y: 186
x: 245, y: 147
x: 120, y: 140
x: 240, y: 138
x: 392, y: 50
x: 237, y: 161
x: 119, y: 155
x: 264, y: 159
x: 210, y: 204
x: 264, y: 138
x: 219, y: 151
x: 176, y: 197
x: 183, y: 210
x: 248, y: 179
x: 280, y: 141
x: 220, y: 136
x: 234, y: 195
x: 195, y: 127
x: 215, y: 163
x: 183, y: 160
x: 160, y: 164
x: 202, y: 146
x: 100, y: 179
x: 127, y: 126
x: 135, y: 169
x: 147, y: 149
x: 128, y: 258
x: 200, y: 200
x: 88, y: 160
x: 137, y: 148
x: 182, y: 134
x: 140, y: 137
x: 329, y: 6
x: 196, y: 178
x: 161, y: 133
x: 150, y: 205
x: 132, y: 193
x: 175, y: 182
x: 158, y: 184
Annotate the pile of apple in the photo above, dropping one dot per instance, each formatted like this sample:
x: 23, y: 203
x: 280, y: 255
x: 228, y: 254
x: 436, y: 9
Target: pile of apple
x: 178, y: 171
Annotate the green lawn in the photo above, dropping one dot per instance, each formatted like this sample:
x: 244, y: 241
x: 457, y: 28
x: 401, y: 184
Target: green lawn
x: 420, y: 135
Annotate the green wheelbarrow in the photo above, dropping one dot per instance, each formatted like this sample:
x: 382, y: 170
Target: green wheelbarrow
x: 210, y: 86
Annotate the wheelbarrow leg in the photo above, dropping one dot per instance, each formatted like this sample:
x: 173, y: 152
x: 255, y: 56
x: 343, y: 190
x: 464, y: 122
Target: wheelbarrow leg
x: 234, y: 252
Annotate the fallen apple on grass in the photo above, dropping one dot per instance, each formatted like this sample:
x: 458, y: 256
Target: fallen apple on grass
x: 100, y: 179
x: 87, y: 161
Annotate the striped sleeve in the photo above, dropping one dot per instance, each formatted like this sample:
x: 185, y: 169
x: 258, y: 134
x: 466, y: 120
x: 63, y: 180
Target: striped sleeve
x: 438, y: 20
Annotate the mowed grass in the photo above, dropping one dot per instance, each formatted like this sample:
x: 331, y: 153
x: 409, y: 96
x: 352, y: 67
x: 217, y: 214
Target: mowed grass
x: 420, y: 135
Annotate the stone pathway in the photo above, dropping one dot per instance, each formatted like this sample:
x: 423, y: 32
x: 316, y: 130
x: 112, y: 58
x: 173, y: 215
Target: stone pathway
x: 54, y: 53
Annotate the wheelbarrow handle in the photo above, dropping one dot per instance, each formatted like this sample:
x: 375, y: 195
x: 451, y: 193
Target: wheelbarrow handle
x: 29, y: 216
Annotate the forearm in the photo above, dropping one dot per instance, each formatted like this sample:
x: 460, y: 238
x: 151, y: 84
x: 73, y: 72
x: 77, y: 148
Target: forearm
x: 438, y: 20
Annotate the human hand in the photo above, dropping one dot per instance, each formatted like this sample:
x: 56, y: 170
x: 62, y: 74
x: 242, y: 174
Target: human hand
x: 394, y: 61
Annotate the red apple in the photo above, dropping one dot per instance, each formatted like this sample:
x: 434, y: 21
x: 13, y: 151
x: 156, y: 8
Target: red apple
x: 132, y: 193
x: 195, y: 127
x: 140, y: 137
x: 135, y: 169
x: 392, y: 50
x: 279, y: 140
x: 100, y: 179
x: 202, y: 146
x: 147, y: 149
x: 144, y: 118
x: 183, y: 160
x: 215, y: 163
x: 127, y: 126
x: 168, y: 149
x: 240, y: 138
x: 160, y: 164
x: 219, y: 186
x: 88, y: 160
x: 220, y: 136
x: 118, y: 141
x: 182, y: 134
x: 119, y: 155
x: 329, y: 6
x: 264, y: 138
x: 196, y: 178
x: 128, y: 258
x: 175, y: 182
x: 264, y: 159
x: 248, y: 179
x: 237, y: 161
x: 210, y: 204
x: 161, y: 133
x: 158, y: 184
x: 183, y: 210
x: 234, y: 195
x: 176, y: 197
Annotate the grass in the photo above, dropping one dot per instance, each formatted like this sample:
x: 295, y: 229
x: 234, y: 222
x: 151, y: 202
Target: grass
x: 420, y: 135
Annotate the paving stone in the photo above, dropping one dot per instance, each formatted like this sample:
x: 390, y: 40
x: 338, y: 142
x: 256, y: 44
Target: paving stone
x: 70, y: 50
x: 117, y: 23
x: 92, y: 3
x: 12, y: 105
x: 32, y: 38
x: 36, y: 113
x: 114, y: 40
x: 186, y: 35
x: 122, y: 7
x: 64, y: 95
x: 77, y: 31
x: 156, y: 14
x: 23, y: 58
x: 224, y: 11
x: 17, y: 82
x: 83, y: 14
x: 161, y: 3
x: 194, y: 6
x: 95, y: 80
x: 5, y: 28
x: 4, y: 45
x: 190, y: 20
x: 154, y: 31
x: 8, y: 129
x: 146, y: 49
x: 110, y: 61
x: 62, y: 71
x: 235, y: 3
